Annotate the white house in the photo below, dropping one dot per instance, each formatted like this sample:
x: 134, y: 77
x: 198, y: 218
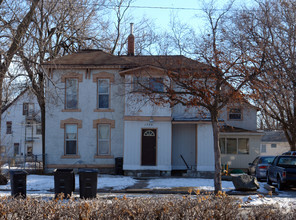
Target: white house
x: 21, y: 127
x: 274, y: 143
x: 95, y: 113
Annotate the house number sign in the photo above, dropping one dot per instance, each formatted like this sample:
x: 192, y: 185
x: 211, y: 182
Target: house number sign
x: 149, y: 124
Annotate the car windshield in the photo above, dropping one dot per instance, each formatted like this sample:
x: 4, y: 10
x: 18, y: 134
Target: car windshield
x: 287, y: 161
x: 267, y: 159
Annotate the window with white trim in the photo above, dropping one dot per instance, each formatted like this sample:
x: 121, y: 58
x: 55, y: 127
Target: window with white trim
x: 263, y: 148
x: 273, y: 145
x: 235, y: 114
x: 234, y: 145
x: 104, y: 139
x: 103, y: 93
x: 71, y: 139
x: 71, y: 93
x: 142, y: 83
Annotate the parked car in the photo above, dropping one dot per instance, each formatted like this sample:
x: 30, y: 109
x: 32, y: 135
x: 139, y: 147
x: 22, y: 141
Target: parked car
x: 282, y: 171
x: 292, y: 153
x: 259, y: 166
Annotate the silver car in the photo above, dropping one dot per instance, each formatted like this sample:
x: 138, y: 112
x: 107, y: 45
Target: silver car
x: 259, y: 166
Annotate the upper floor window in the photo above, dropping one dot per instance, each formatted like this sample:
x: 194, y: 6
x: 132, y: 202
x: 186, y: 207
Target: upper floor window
x: 235, y: 114
x: 8, y: 127
x: 234, y: 145
x: 71, y: 139
x: 28, y: 109
x: 71, y: 93
x: 103, y: 93
x: 140, y: 84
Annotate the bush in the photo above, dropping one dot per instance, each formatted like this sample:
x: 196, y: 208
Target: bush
x: 206, y: 206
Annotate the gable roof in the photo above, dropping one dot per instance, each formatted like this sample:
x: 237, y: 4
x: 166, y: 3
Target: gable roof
x: 4, y: 108
x: 274, y: 136
x: 101, y: 58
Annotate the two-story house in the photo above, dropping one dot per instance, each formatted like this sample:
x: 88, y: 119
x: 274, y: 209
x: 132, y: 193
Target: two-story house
x: 96, y: 111
x: 21, y: 127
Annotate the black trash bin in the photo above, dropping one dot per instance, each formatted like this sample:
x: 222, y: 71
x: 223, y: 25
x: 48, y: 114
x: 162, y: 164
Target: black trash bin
x: 64, y: 181
x: 88, y: 180
x: 119, y: 165
x: 18, y: 183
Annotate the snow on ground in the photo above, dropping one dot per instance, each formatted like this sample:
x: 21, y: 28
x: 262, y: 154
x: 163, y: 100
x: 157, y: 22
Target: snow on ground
x: 45, y: 183
x: 204, y: 184
x: 43, y: 186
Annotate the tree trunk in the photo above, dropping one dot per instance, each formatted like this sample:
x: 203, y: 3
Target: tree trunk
x: 217, y: 152
x: 42, y: 108
x: 1, y: 97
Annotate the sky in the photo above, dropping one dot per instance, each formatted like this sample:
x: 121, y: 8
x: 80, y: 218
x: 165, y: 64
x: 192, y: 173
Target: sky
x: 188, y: 11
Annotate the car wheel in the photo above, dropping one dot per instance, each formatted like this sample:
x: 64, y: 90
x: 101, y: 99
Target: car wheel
x: 268, y: 180
x: 280, y: 185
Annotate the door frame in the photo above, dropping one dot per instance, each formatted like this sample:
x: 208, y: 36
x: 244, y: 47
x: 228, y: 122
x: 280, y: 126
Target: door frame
x: 156, y: 145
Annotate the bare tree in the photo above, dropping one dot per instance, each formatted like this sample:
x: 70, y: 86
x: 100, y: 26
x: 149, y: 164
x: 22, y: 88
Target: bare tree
x: 271, y: 27
x: 12, y: 32
x: 213, y: 83
x: 58, y: 28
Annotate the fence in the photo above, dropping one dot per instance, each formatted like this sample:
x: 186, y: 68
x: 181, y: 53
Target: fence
x: 32, y: 163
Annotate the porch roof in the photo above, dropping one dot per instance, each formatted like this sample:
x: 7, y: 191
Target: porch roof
x: 232, y: 129
x: 192, y: 119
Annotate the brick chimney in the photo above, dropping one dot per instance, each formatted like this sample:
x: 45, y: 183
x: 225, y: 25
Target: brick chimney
x: 131, y: 42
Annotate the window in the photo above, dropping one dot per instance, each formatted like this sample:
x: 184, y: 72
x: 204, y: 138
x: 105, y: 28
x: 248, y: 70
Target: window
x: 263, y: 148
x: 70, y: 139
x: 8, y: 127
x: 28, y: 109
x: 156, y: 84
x: 16, y: 149
x: 234, y: 145
x: 235, y: 114
x: 71, y: 93
x: 273, y: 145
x: 29, y: 151
x: 103, y: 93
x: 103, y: 139
x: 141, y: 84
x: 2, y: 149
x: 38, y: 129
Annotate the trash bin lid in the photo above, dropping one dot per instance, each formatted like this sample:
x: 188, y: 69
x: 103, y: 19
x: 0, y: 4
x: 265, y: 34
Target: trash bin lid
x: 84, y: 170
x: 63, y: 170
x: 15, y: 172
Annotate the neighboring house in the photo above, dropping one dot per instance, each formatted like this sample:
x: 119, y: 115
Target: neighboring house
x: 21, y: 127
x: 97, y: 112
x: 274, y: 143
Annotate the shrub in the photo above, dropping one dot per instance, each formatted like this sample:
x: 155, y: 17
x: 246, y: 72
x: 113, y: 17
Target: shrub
x: 206, y: 206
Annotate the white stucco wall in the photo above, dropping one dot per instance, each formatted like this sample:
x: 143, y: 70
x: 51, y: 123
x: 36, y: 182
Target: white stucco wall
x: 15, y: 114
x: 136, y: 104
x: 132, y: 145
x: 205, y: 148
x: 87, y: 135
x: 281, y: 147
x: 242, y: 160
x: 249, y: 117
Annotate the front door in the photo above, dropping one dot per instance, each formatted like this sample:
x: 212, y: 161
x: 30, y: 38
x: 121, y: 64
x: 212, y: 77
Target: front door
x: 149, y: 147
